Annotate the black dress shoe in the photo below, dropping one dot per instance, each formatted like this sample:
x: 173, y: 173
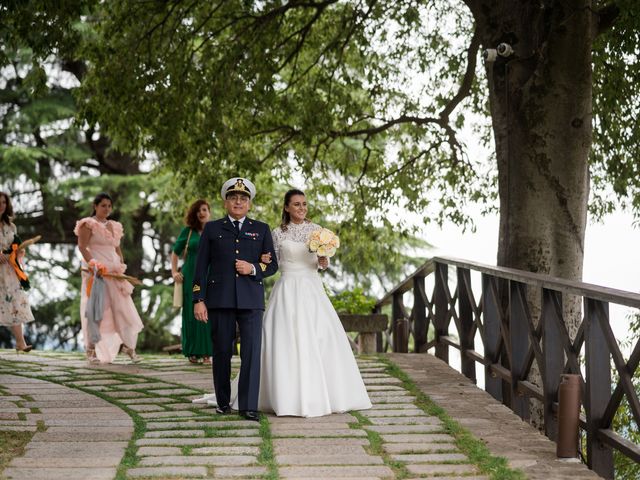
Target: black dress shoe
x: 250, y: 415
x: 223, y: 410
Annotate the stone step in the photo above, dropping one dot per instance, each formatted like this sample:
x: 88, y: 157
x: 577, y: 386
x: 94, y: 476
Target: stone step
x: 326, y: 459
x: 335, y: 472
x: 219, y: 460
x: 201, y: 441
x: 48, y: 473
x: 168, y: 472
x: 419, y: 447
x: 430, y: 457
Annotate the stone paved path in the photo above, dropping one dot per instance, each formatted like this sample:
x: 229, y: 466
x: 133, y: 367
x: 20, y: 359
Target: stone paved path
x: 85, y: 418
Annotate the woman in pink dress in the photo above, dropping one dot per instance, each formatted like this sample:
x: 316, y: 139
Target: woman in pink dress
x: 99, y: 241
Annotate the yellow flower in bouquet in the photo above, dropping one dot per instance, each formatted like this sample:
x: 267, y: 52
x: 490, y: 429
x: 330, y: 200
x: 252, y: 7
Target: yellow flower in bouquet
x: 323, y: 242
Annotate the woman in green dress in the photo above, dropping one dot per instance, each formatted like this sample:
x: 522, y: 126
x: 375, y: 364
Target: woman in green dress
x: 196, y: 339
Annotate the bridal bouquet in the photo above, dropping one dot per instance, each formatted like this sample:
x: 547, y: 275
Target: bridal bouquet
x: 323, y: 242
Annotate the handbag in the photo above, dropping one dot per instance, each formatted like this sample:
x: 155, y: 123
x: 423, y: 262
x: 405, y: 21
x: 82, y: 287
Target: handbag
x: 178, y: 299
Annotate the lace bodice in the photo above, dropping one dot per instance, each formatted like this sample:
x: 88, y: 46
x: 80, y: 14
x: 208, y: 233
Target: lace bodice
x: 295, y: 232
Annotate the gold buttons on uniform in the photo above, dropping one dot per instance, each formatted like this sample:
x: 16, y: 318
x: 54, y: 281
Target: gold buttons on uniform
x: 237, y: 241
x: 237, y: 251
x: 237, y: 275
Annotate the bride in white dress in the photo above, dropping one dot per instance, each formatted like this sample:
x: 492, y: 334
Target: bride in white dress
x: 307, y: 367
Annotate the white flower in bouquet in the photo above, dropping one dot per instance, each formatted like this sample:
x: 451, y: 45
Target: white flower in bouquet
x: 323, y: 242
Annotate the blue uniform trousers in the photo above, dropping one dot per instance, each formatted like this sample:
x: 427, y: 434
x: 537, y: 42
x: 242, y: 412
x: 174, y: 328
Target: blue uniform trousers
x: 223, y: 333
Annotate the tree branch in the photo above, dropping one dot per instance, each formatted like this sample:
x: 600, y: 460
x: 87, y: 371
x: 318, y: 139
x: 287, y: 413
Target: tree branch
x: 409, y: 162
x: 386, y: 126
x: 283, y: 141
x: 467, y: 79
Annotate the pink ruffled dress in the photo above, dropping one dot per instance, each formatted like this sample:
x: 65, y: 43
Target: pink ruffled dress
x: 120, y: 321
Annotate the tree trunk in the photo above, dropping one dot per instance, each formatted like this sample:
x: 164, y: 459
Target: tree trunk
x: 541, y: 101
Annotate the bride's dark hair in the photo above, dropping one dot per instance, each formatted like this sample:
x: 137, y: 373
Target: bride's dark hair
x: 286, y: 218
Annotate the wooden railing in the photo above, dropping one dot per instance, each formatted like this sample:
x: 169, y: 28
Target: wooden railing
x: 499, y: 333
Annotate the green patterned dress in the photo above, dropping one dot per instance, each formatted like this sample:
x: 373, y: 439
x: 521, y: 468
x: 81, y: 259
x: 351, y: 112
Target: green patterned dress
x: 196, y: 337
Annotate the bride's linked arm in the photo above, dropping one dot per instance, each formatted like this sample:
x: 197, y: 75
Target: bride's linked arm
x: 277, y: 234
x: 266, y: 269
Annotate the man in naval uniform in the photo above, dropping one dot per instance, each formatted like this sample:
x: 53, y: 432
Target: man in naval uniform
x: 227, y: 289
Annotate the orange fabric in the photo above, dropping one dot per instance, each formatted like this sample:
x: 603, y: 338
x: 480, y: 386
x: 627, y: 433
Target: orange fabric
x: 97, y: 269
x: 13, y: 261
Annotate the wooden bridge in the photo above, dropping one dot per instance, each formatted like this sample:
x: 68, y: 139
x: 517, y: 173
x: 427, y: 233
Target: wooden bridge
x: 494, y: 329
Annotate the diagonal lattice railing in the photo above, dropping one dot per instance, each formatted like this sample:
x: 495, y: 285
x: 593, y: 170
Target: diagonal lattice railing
x: 514, y: 346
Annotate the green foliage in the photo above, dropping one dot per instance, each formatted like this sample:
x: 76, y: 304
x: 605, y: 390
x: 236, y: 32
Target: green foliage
x: 53, y: 164
x: 353, y: 301
x: 302, y: 96
x: 616, y: 148
x: 55, y: 158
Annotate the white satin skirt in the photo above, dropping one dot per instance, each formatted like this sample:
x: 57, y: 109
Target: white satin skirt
x: 307, y: 366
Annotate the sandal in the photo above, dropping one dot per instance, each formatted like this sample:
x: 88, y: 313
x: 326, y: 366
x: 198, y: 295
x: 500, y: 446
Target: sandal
x: 132, y: 354
x: 206, y: 361
x: 193, y: 359
x: 91, y: 356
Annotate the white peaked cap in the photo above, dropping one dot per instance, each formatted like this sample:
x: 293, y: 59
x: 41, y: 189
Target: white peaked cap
x: 238, y: 185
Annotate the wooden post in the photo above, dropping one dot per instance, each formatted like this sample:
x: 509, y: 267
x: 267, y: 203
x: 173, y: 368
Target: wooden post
x: 420, y: 323
x: 518, y: 345
x: 379, y: 335
x: 465, y: 313
x: 598, y: 388
x: 400, y: 326
x: 493, y: 385
x: 442, y: 310
x: 553, y: 357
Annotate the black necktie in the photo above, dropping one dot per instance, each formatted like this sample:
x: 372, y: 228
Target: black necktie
x: 236, y: 223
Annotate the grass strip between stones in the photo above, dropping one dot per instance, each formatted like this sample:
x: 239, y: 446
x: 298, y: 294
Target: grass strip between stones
x: 474, y: 449
x: 375, y: 448
x: 13, y: 445
x: 266, y: 456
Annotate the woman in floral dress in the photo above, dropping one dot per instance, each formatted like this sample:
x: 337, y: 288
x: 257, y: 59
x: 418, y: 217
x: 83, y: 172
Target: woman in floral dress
x: 14, y: 305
